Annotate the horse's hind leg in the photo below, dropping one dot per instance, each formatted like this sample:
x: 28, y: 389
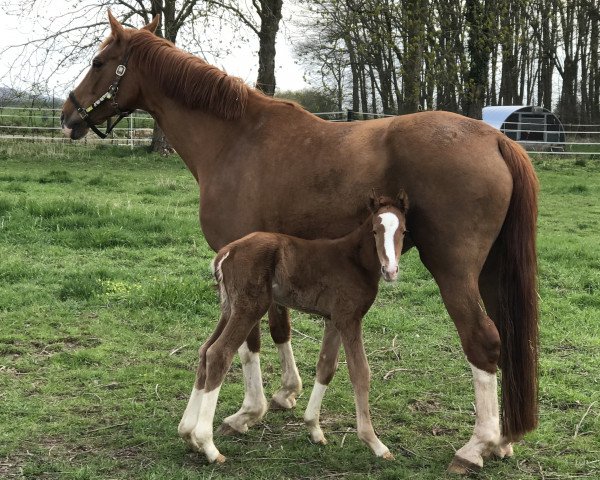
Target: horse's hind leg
x: 218, y: 360
x: 291, y: 384
x: 326, y: 367
x: 254, y: 406
x: 490, y: 288
x: 190, y: 416
x: 481, y: 344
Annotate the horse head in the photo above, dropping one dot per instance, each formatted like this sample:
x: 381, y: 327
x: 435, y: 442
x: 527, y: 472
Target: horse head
x: 108, y: 88
x: 389, y: 228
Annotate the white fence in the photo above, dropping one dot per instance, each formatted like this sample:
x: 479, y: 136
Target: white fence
x: 43, y: 124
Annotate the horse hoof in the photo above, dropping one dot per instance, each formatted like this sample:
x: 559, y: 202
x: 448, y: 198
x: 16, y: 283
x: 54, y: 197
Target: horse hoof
x: 460, y: 466
x: 321, y: 440
x: 388, y: 456
x: 287, y: 404
x: 226, y: 429
x: 220, y: 459
x: 503, y: 451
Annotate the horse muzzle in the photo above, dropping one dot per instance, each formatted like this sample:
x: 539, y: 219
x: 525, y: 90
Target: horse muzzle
x: 72, y: 126
x: 389, y: 273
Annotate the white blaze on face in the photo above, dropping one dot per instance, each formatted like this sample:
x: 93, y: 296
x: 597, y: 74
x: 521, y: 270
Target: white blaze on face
x: 390, y: 224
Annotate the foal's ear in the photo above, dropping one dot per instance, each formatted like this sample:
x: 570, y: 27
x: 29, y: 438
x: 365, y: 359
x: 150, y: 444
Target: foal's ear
x: 373, y: 201
x: 151, y: 27
x: 116, y: 27
x: 402, y: 201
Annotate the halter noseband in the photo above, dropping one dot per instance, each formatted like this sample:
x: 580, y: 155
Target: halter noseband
x: 111, y: 95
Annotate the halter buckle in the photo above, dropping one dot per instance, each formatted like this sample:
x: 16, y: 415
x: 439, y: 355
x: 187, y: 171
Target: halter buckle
x: 120, y: 70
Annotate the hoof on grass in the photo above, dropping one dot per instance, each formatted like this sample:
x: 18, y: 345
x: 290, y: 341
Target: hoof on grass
x: 388, y: 456
x: 460, y: 466
x: 226, y: 429
x: 277, y: 404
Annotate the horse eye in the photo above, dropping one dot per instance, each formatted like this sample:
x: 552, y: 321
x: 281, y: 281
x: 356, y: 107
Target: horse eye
x: 96, y: 63
x: 374, y: 232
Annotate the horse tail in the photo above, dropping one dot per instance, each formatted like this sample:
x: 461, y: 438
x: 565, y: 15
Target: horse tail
x: 518, y: 297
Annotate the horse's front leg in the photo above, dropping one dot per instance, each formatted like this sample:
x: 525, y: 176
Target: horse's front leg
x: 326, y: 367
x: 254, y: 405
x: 358, y: 367
x: 291, y: 383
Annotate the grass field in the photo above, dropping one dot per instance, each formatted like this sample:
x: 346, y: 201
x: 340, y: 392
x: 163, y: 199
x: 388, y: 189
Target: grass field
x: 105, y: 295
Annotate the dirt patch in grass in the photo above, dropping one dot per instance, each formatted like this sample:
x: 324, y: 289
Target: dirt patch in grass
x: 12, y: 466
x: 427, y: 406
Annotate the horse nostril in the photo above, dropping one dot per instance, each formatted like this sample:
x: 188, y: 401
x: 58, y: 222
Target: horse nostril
x: 382, y: 270
x: 396, y: 268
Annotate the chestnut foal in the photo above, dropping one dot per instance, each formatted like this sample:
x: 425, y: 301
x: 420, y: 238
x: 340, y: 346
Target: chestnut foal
x: 334, y: 278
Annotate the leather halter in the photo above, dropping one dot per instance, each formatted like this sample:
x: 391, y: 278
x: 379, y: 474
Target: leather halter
x: 111, y: 94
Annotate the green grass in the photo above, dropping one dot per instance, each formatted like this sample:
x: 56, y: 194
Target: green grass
x: 105, y: 296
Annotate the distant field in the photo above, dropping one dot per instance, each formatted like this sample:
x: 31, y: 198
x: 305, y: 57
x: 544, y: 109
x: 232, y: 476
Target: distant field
x: 105, y: 296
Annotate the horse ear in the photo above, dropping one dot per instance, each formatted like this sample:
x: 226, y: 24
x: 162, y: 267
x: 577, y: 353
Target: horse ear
x: 116, y: 27
x: 402, y: 201
x: 373, y: 201
x: 151, y: 27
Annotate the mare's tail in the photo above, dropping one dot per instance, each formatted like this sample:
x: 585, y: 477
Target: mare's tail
x: 518, y: 313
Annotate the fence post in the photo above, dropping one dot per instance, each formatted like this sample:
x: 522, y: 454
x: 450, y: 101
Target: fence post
x: 131, y: 130
x: 350, y: 115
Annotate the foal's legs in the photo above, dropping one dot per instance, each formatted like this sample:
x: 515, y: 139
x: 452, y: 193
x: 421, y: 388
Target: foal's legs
x: 291, y: 383
x: 254, y: 406
x: 326, y: 367
x: 358, y: 367
x: 218, y: 360
x: 190, y: 416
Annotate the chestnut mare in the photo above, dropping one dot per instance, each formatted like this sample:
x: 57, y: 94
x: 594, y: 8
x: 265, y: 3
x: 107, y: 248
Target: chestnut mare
x: 268, y: 165
x: 337, y: 279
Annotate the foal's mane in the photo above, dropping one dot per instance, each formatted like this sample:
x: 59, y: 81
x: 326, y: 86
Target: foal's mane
x: 187, y: 78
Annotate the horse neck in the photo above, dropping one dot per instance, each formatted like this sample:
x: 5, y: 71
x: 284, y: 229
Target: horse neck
x: 197, y: 136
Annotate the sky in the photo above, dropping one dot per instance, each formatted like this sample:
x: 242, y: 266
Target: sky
x: 241, y: 62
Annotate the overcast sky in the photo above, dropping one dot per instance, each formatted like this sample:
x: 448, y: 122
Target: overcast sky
x: 242, y: 61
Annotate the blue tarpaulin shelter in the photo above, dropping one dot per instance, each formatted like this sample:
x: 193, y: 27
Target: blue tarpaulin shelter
x: 525, y: 123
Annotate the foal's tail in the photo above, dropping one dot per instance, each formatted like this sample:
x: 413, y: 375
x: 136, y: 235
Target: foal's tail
x: 518, y: 313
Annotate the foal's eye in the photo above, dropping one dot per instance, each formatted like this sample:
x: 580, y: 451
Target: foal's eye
x: 96, y: 63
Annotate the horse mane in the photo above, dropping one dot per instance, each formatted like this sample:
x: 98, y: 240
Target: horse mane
x: 187, y: 78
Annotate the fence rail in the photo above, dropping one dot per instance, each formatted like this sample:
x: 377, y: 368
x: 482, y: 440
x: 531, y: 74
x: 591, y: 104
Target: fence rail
x: 43, y: 125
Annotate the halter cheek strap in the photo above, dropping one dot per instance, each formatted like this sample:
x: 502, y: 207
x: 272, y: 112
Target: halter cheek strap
x: 111, y: 94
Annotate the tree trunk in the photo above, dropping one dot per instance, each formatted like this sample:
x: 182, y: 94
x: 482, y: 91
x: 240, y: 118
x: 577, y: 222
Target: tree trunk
x: 166, y: 29
x: 478, y: 21
x: 270, y: 15
x: 413, y: 55
x: 160, y: 144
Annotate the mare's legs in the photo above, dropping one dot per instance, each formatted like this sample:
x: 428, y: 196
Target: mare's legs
x: 291, y: 384
x: 358, y: 367
x: 456, y: 274
x: 218, y: 360
x: 254, y: 406
x: 190, y: 416
x: 489, y: 288
x: 326, y: 367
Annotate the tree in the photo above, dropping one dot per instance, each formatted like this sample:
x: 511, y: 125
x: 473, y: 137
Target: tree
x: 312, y: 99
x: 66, y: 38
